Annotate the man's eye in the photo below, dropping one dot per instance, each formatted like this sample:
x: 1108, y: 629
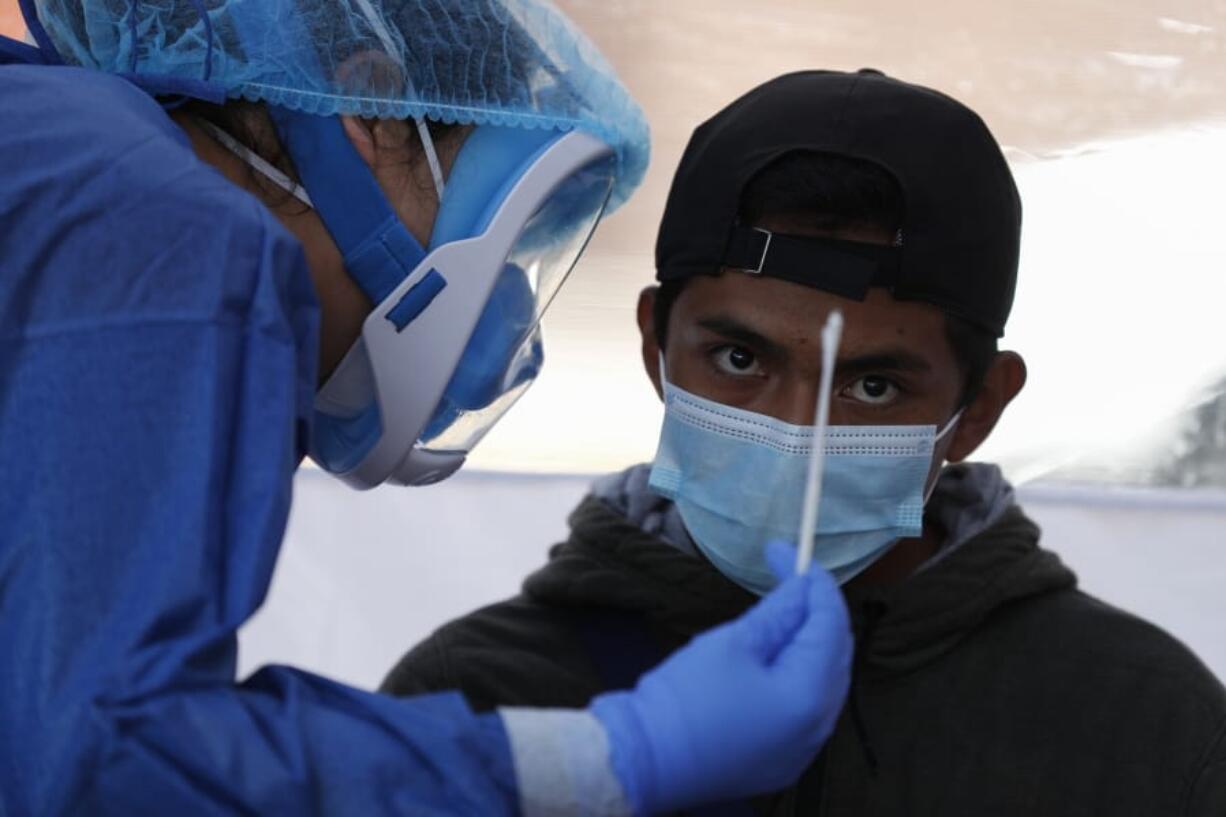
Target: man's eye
x: 873, y: 390
x: 736, y: 360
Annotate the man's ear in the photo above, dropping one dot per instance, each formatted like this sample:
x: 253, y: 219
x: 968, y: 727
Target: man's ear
x: 647, y: 331
x: 361, y: 133
x: 1004, y: 379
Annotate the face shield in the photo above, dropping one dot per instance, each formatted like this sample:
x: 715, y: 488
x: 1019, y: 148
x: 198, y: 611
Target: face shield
x: 505, y: 351
x: 458, y: 341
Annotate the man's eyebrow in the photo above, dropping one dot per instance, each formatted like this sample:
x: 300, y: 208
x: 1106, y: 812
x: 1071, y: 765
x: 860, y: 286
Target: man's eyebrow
x: 890, y: 360
x: 734, y: 330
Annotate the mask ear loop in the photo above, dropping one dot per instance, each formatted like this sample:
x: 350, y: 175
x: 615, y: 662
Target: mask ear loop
x: 832, y: 333
x: 940, y: 435
x: 258, y: 162
x: 948, y: 427
x: 423, y: 131
x: 436, y: 168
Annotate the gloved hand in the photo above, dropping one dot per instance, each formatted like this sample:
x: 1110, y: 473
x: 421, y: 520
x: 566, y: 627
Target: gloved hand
x: 743, y: 708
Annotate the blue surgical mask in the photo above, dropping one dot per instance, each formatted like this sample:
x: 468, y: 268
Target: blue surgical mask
x: 738, y: 480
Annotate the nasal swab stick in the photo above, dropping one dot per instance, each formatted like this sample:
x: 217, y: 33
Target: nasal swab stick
x: 831, y: 334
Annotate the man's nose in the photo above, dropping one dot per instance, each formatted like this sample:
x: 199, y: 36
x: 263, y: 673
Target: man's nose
x: 798, y: 403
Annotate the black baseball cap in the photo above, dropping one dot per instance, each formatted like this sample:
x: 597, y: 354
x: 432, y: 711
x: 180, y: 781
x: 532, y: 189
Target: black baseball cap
x: 958, y: 244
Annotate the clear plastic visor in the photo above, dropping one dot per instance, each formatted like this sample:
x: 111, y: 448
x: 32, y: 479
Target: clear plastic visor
x: 505, y: 351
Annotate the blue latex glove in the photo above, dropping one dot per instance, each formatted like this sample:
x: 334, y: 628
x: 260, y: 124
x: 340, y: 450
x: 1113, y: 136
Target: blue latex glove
x: 743, y: 708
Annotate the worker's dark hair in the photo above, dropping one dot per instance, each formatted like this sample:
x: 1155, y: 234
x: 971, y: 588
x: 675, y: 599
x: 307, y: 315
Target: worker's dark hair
x: 832, y: 194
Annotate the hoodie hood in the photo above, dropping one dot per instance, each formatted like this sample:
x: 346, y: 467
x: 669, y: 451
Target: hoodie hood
x: 611, y: 561
x: 923, y: 617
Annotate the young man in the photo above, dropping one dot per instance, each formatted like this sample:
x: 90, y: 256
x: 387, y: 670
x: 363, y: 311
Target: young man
x: 985, y: 682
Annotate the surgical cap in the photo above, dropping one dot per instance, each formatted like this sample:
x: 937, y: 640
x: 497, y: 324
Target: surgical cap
x: 503, y: 62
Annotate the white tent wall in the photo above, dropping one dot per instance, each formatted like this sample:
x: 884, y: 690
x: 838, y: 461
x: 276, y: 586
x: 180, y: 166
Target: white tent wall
x: 364, y: 576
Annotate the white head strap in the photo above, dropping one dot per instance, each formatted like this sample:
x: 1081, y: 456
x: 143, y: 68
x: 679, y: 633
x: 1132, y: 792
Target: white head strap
x: 389, y: 46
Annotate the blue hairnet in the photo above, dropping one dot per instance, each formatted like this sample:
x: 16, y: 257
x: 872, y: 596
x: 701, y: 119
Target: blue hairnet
x: 505, y: 62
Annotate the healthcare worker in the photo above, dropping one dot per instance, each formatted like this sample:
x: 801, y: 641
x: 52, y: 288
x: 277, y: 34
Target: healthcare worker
x: 178, y: 333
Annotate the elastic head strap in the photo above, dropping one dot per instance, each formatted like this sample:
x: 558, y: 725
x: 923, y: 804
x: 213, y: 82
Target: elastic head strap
x: 378, y: 250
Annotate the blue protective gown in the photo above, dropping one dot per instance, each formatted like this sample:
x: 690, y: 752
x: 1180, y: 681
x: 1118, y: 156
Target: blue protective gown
x: 158, y: 334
